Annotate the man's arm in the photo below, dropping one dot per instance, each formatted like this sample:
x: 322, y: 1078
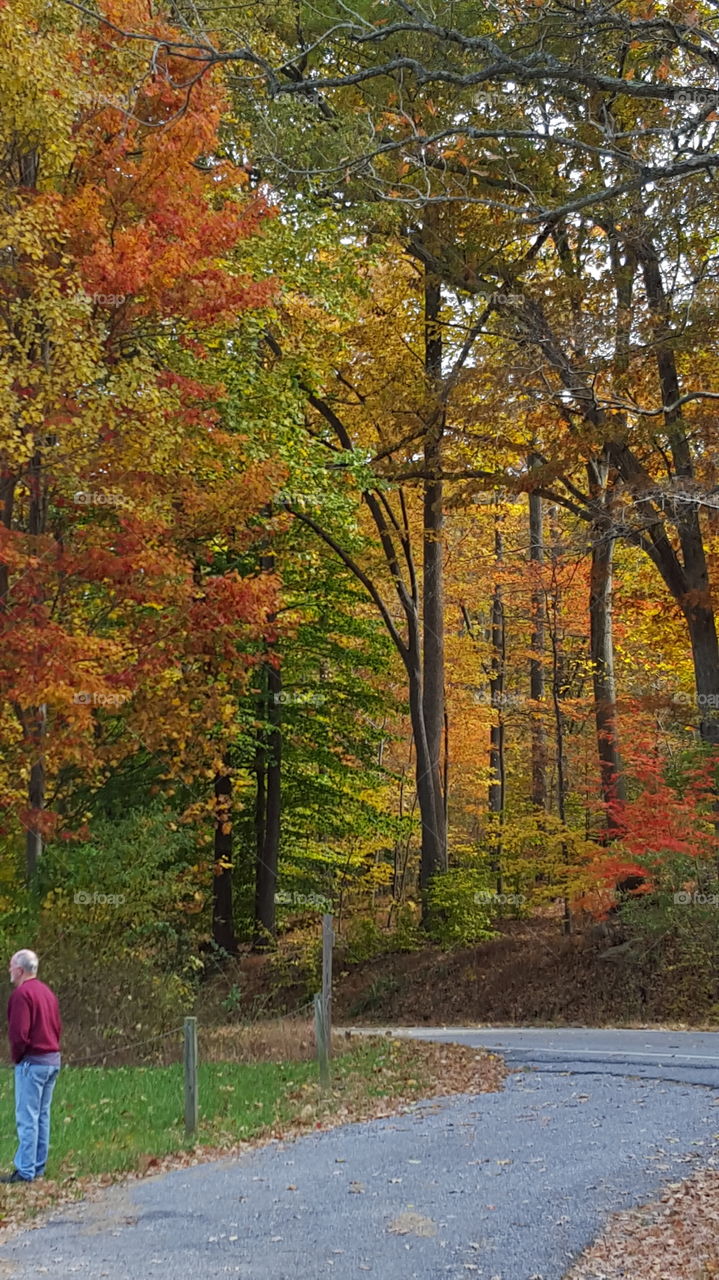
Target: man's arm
x: 18, y: 1025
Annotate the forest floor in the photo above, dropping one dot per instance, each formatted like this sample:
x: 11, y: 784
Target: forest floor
x: 530, y: 974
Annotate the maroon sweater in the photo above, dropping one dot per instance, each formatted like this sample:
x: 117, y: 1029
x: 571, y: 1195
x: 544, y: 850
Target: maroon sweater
x: 33, y: 1016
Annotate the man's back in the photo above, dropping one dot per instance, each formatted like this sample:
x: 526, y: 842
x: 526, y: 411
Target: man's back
x: 34, y: 1024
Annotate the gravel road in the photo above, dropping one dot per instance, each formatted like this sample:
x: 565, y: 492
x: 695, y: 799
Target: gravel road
x: 508, y: 1186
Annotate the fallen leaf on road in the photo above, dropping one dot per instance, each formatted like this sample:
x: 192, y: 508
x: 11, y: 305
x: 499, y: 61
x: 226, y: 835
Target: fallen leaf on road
x: 412, y: 1224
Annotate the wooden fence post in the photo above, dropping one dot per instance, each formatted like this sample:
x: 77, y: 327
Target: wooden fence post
x: 190, y: 1063
x: 321, y: 1038
x: 327, y: 941
x: 323, y: 1005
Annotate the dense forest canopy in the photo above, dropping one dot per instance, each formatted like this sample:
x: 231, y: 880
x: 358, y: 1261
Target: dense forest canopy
x: 358, y: 462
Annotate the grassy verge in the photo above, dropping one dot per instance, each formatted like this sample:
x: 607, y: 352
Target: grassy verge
x: 128, y: 1120
x: 105, y: 1119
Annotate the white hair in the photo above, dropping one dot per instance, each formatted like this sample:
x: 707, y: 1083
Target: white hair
x: 27, y: 961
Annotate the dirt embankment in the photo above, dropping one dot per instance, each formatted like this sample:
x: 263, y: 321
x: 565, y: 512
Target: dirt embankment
x: 530, y: 974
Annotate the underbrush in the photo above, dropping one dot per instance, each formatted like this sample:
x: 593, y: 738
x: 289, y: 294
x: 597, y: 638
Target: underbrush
x: 671, y: 936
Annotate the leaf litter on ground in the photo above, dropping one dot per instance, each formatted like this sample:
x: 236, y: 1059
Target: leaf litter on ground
x: 673, y: 1238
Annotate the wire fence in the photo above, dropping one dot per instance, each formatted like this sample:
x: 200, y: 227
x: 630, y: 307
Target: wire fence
x: 123, y: 1048
x: 317, y: 1008
x: 187, y: 1039
x: 98, y: 1056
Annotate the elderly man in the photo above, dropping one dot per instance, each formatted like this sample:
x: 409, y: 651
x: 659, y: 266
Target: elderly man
x: 34, y: 1030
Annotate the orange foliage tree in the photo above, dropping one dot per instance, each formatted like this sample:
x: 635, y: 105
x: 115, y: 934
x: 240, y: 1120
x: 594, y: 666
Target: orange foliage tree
x: 122, y: 476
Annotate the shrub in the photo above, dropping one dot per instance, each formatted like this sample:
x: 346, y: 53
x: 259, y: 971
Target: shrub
x: 459, y: 903
x: 674, y: 928
x: 297, y: 964
x: 407, y: 935
x: 364, y: 940
x: 115, y: 920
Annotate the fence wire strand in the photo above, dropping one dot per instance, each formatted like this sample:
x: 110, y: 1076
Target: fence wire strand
x: 133, y: 1044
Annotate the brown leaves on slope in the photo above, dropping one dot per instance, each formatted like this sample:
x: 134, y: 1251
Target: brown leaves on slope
x: 674, y: 1238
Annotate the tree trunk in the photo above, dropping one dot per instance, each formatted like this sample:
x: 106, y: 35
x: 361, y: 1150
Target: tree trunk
x: 260, y: 768
x: 432, y: 696
x: 496, y: 787
x: 687, y: 579
x: 433, y: 857
x: 557, y: 691
x: 36, y: 799
x: 267, y: 826
x: 267, y: 861
x: 602, y: 656
x: 705, y: 652
x: 445, y: 767
x: 697, y: 603
x: 223, y: 927
x: 34, y: 719
x: 536, y: 662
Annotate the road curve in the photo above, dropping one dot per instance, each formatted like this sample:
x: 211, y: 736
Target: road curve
x: 505, y: 1186
x: 684, y: 1056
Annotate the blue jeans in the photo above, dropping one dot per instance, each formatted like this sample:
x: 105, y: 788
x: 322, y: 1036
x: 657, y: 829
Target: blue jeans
x: 34, y: 1084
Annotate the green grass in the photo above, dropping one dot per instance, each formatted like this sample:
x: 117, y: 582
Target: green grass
x: 104, y: 1120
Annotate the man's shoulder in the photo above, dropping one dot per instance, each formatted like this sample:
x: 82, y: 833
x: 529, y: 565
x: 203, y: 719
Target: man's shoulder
x: 34, y: 989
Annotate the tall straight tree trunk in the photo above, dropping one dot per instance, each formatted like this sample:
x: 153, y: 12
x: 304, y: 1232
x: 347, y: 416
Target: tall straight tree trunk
x: 34, y: 718
x: 223, y: 927
x: 268, y: 832
x: 554, y: 620
x: 36, y: 797
x: 433, y: 854
x: 432, y: 692
x: 696, y: 604
x: 260, y: 771
x: 701, y: 623
x: 496, y: 787
x: 536, y: 661
x: 602, y: 657
x: 267, y: 860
